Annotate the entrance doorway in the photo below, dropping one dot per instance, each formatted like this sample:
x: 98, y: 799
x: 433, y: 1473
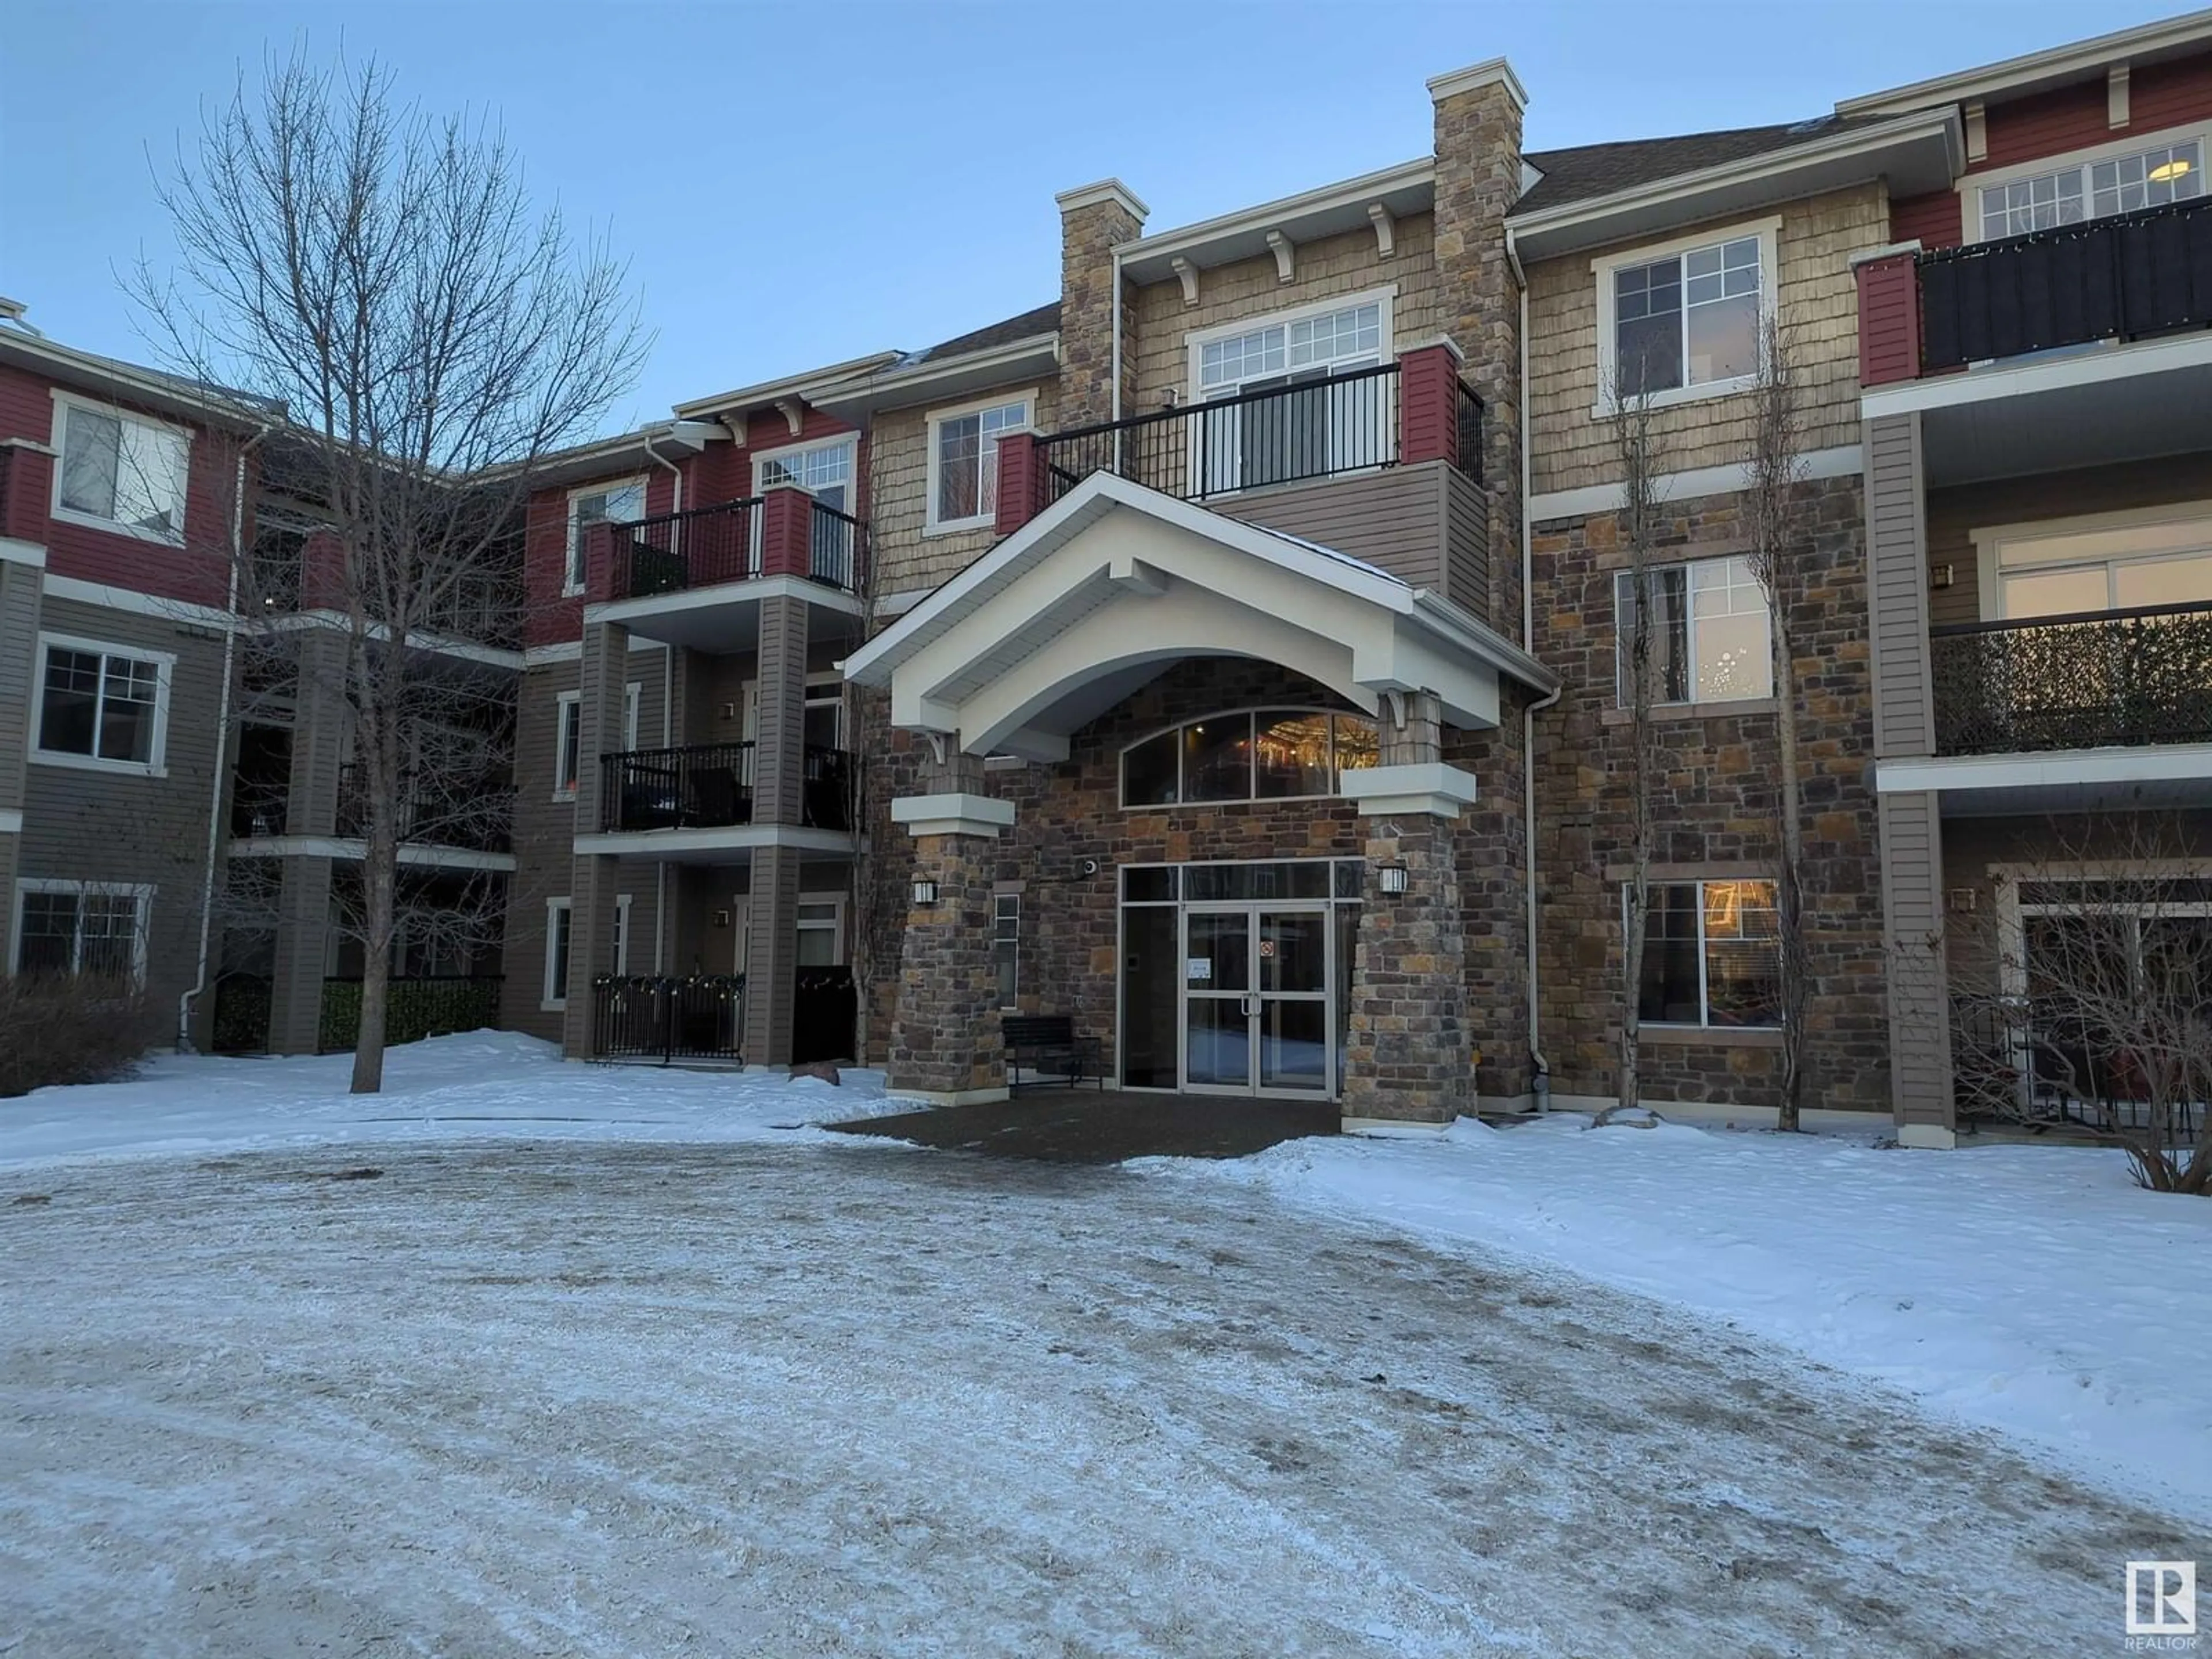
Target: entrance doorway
x: 1235, y: 977
x: 1257, y: 1001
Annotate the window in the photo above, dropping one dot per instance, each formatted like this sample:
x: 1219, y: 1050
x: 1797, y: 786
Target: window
x: 2059, y: 569
x: 1688, y: 320
x: 83, y: 929
x: 1711, y: 641
x: 821, y: 933
x: 823, y: 722
x: 123, y: 473
x: 963, y: 462
x: 823, y: 470
x: 617, y: 503
x: 1711, y: 955
x: 1322, y: 428
x: 1272, y: 755
x: 622, y: 933
x: 2093, y: 190
x: 1007, y: 946
x: 102, y: 706
x: 568, y: 735
x: 557, y: 955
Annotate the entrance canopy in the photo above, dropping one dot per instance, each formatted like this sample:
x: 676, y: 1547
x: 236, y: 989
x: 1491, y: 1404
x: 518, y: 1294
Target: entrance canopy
x: 1116, y: 582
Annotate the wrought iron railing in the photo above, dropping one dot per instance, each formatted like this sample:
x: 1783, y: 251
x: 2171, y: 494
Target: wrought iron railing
x: 2089, y: 680
x: 668, y: 1016
x: 707, y: 786
x: 1470, y: 430
x: 837, y: 549
x: 469, y: 809
x: 2049, y: 1067
x: 2122, y: 277
x: 414, y: 1008
x: 826, y: 794
x: 678, y: 551
x: 1316, y: 428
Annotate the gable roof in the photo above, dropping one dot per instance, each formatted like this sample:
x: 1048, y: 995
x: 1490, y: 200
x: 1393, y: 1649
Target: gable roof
x: 1590, y: 170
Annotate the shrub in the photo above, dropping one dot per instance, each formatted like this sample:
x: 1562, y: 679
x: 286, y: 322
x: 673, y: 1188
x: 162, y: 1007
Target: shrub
x: 55, y: 1029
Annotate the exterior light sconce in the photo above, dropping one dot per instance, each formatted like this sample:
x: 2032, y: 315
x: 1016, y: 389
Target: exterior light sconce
x: 925, y: 893
x: 1391, y: 877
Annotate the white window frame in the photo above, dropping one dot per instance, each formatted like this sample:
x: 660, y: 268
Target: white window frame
x: 155, y: 765
x: 622, y: 936
x: 1688, y: 567
x: 547, y: 1001
x: 65, y: 401
x: 572, y: 549
x: 1251, y: 712
x: 140, y: 893
x: 633, y: 692
x: 1704, y: 1021
x: 1385, y: 298
x: 1990, y: 542
x: 835, y: 927
x: 933, y: 525
x: 1971, y: 187
x: 1768, y: 232
x: 756, y: 523
x: 999, y: 900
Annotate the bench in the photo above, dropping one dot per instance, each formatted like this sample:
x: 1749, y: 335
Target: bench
x: 1039, y: 1041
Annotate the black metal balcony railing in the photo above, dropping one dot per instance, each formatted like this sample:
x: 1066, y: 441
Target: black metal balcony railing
x: 837, y: 549
x: 678, y: 551
x: 826, y: 798
x: 2089, y: 680
x: 2119, y: 277
x: 1470, y: 430
x: 706, y: 786
x: 467, y: 809
x: 1313, y: 429
x: 665, y: 1017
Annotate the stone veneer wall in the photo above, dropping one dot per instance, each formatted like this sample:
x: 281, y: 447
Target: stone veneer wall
x: 1716, y: 805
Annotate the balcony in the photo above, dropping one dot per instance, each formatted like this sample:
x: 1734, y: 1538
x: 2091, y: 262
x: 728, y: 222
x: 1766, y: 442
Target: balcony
x: 2091, y: 680
x: 710, y: 787
x: 1384, y: 463
x: 466, y: 809
x: 783, y: 533
x: 2127, y: 276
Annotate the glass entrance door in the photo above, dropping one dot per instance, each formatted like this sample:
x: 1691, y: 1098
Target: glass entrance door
x: 1257, y: 1018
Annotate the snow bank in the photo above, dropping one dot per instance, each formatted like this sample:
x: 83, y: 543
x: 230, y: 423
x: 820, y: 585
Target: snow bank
x: 466, y: 1087
x: 2033, y: 1290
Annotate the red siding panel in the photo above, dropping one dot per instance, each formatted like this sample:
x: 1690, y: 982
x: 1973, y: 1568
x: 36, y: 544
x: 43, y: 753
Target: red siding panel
x: 1933, y: 220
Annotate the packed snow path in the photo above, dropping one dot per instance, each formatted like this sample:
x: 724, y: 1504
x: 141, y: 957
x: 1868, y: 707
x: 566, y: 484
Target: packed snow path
x: 576, y: 1399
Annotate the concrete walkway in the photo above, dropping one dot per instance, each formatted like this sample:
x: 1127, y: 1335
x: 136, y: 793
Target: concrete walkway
x: 1086, y: 1126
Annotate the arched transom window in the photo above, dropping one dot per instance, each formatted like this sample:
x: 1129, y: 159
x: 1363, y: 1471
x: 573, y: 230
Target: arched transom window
x: 1268, y: 754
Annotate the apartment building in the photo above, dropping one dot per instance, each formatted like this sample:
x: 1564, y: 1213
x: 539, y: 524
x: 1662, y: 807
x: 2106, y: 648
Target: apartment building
x: 1225, y: 653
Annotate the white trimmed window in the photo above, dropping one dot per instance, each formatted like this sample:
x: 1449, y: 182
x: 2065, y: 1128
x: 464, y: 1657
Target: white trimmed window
x: 613, y: 503
x: 557, y: 955
x: 823, y: 470
x: 1684, y: 320
x: 568, y: 735
x: 82, y: 929
x: 1007, y: 946
x: 120, y: 472
x: 103, y: 707
x: 1711, y: 633
x: 622, y: 933
x: 1315, y: 428
x: 2095, y: 188
x: 1711, y: 955
x: 2122, y: 562
x: 963, y: 461
x: 821, y: 932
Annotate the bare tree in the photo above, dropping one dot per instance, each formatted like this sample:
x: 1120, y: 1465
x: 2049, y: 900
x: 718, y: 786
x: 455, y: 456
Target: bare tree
x: 1773, y: 504
x: 1636, y: 448
x: 415, y: 341
x: 2086, y: 999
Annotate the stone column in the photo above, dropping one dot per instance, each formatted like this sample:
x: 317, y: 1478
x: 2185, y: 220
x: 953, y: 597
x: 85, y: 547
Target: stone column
x: 603, y: 684
x: 1093, y: 219
x: 311, y: 808
x: 946, y: 1045
x: 1409, y: 1057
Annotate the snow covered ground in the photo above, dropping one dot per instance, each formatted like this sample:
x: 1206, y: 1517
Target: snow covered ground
x: 562, y: 1397
x: 485, y: 1082
x: 2029, y: 1289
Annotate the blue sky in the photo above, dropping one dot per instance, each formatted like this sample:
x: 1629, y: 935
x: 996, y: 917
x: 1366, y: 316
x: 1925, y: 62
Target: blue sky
x: 794, y: 185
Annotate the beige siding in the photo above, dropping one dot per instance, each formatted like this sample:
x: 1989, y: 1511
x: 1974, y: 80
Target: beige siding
x: 1399, y: 520
x: 908, y: 559
x: 1912, y: 921
x: 1903, y: 706
x: 1251, y: 288
x: 1573, y: 448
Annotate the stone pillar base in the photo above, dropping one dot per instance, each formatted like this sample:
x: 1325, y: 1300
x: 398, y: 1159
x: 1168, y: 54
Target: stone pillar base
x: 945, y: 1039
x: 1408, y: 1060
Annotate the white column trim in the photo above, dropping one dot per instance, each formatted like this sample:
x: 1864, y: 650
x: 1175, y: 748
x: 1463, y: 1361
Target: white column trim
x: 1428, y: 789
x: 953, y: 814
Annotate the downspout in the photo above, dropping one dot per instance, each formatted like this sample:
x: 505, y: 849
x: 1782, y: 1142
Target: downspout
x: 223, y: 746
x: 1539, y: 1081
x: 667, y: 741
x: 1117, y: 359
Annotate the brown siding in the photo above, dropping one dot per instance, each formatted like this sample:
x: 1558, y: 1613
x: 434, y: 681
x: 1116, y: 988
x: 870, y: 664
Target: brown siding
x: 1573, y: 448
x: 1904, y: 713
x: 1912, y: 925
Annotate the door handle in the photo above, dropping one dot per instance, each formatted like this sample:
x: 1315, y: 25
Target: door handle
x: 1251, y: 1006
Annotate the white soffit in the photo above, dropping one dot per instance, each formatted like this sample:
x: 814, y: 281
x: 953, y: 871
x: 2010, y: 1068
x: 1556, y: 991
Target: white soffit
x: 1332, y: 210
